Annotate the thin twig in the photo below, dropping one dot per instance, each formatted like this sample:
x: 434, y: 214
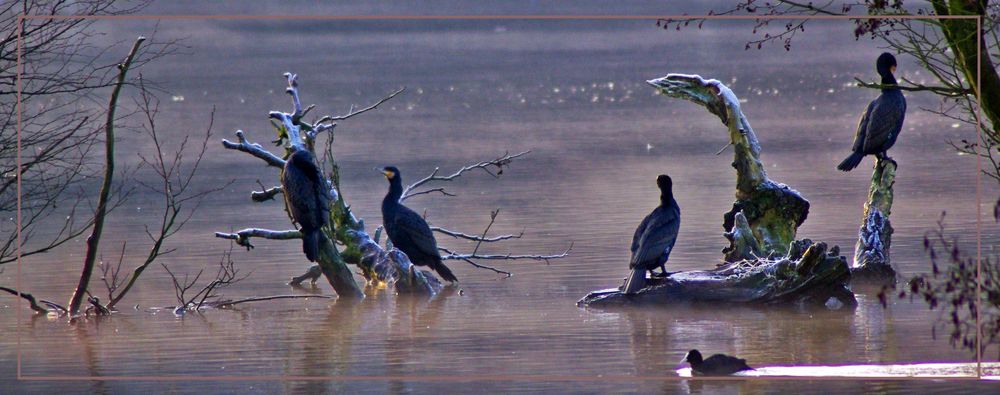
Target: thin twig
x: 230, y: 303
x: 352, y: 112
x: 485, y: 166
x: 941, y: 90
x: 460, y: 235
x: 546, y: 258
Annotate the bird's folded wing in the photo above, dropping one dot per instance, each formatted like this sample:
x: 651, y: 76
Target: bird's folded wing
x: 885, y: 118
x: 416, y: 229
x: 860, y: 134
x: 637, y: 238
x: 660, y: 234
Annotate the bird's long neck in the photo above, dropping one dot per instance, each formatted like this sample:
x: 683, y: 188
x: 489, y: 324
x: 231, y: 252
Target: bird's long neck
x: 395, y: 192
x: 666, y: 198
x: 888, y: 79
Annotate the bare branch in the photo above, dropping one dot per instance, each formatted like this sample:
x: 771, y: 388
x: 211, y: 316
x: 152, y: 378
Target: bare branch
x: 28, y: 297
x: 546, y: 258
x: 352, y: 112
x: 243, y: 237
x: 460, y: 235
x: 487, y: 267
x: 312, y: 275
x: 498, y: 163
x: 254, y: 149
x: 266, y: 194
x: 941, y: 90
x: 230, y: 303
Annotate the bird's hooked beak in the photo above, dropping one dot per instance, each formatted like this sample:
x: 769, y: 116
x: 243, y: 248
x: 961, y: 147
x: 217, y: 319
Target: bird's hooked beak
x: 389, y: 174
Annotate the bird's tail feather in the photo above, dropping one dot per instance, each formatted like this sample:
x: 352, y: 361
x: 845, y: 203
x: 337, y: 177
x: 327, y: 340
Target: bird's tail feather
x: 635, y: 281
x: 310, y: 245
x: 851, y: 162
x: 444, y: 271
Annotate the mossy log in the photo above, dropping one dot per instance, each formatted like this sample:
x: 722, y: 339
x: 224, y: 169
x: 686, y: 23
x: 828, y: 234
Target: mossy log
x: 764, y: 262
x: 871, y: 253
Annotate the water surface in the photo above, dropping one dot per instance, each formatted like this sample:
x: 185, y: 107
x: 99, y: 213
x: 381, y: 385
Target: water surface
x: 573, y: 93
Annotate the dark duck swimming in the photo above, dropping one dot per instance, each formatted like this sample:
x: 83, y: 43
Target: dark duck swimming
x: 307, y: 198
x: 716, y: 365
x: 408, y: 231
x: 654, y: 238
x: 882, y: 120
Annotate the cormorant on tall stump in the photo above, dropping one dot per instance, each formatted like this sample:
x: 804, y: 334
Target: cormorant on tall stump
x: 408, y: 231
x: 307, y: 198
x: 882, y: 121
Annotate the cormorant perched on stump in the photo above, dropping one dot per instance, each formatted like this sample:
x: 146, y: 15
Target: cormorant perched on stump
x: 716, y: 365
x: 882, y: 121
x: 307, y: 198
x: 408, y: 231
x: 654, y: 238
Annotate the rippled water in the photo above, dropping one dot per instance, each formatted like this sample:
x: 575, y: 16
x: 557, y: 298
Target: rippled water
x: 572, y: 92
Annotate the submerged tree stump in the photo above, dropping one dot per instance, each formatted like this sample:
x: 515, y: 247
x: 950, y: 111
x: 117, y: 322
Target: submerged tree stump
x: 765, y: 264
x: 871, y: 253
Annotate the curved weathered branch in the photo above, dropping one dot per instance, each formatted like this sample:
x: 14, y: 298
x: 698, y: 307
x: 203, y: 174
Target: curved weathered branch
x: 773, y: 210
x: 871, y: 253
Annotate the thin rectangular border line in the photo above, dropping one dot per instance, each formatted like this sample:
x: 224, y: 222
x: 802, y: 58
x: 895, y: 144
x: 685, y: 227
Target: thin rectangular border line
x: 532, y: 378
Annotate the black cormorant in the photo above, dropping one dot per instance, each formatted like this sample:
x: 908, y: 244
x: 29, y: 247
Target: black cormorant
x: 654, y: 238
x: 408, y: 231
x: 882, y: 121
x: 716, y: 365
x: 307, y: 198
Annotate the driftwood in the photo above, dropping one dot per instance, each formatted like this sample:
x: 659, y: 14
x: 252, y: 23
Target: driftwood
x: 871, y: 253
x: 377, y: 265
x: 764, y: 262
x: 810, y: 276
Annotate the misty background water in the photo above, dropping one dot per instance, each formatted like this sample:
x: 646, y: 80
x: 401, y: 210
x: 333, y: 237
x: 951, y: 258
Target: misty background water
x: 573, y: 93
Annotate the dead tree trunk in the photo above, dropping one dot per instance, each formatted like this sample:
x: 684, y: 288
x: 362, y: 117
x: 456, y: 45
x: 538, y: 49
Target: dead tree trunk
x: 765, y: 262
x: 871, y: 253
x: 375, y: 262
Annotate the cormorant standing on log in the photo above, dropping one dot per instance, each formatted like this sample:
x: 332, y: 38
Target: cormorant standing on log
x: 716, y: 365
x: 408, y: 230
x: 306, y: 197
x: 654, y: 238
x: 882, y: 121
